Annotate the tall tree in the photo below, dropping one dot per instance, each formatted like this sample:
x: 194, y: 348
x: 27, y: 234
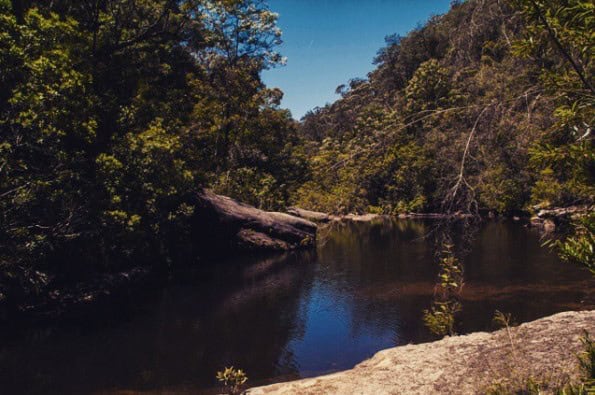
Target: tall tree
x: 103, y: 109
x: 560, y: 40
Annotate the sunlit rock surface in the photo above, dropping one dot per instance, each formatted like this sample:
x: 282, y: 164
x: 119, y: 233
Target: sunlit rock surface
x: 545, y: 349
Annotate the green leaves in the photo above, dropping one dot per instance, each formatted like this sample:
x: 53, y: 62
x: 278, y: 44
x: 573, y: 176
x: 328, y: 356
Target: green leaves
x: 240, y: 30
x: 146, y: 182
x: 232, y: 379
x: 104, y: 109
x: 440, y: 318
x: 429, y: 88
x: 587, y: 360
x: 579, y: 246
x: 44, y: 129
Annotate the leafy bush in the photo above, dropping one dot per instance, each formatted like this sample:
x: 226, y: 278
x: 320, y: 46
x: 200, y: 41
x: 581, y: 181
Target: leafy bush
x: 251, y: 186
x: 579, y: 246
x: 440, y: 318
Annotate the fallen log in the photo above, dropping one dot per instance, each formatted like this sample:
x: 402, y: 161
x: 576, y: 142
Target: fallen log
x: 549, y: 219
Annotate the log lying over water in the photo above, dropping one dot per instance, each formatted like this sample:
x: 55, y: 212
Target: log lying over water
x: 457, y: 215
x: 571, y: 211
x: 320, y: 217
x: 229, y: 224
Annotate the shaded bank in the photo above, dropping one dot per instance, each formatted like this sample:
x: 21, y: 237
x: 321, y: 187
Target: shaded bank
x: 175, y: 337
x: 221, y: 226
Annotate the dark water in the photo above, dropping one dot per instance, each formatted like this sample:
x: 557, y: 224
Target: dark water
x: 294, y: 315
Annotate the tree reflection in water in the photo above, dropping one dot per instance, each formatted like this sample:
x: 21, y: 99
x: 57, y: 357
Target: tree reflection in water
x: 282, y: 316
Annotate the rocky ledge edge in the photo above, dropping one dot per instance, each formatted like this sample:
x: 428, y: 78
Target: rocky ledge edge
x: 544, y: 350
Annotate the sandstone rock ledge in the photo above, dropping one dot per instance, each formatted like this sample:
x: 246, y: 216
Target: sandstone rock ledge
x: 225, y: 224
x: 543, y: 349
x: 319, y: 217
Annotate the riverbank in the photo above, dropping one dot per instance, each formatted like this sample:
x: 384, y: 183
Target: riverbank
x: 547, y: 219
x: 544, y: 350
x: 221, y: 227
x: 320, y: 217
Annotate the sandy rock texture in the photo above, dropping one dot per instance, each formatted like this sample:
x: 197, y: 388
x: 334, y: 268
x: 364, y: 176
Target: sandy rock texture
x: 319, y: 217
x: 226, y: 224
x: 545, y: 350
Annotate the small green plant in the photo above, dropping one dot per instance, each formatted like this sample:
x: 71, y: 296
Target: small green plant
x: 502, y: 320
x: 528, y: 387
x: 587, y: 361
x: 505, y: 321
x: 440, y: 318
x: 579, y: 247
x: 233, y: 379
x: 575, y: 389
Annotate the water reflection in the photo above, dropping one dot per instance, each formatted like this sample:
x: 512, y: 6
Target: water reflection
x: 240, y: 314
x: 291, y: 315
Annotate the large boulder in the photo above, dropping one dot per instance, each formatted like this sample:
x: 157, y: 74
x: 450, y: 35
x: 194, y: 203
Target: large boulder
x: 227, y: 225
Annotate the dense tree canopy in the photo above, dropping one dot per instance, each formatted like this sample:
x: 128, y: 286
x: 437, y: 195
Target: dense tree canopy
x: 114, y: 113
x: 489, y: 106
x: 486, y: 107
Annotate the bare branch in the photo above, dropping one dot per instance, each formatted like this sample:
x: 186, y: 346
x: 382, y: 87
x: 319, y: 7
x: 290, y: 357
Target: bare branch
x: 460, y: 180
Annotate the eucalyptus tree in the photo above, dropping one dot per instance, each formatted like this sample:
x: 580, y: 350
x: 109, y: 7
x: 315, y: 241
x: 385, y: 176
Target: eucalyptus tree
x: 241, y: 37
x: 103, y: 105
x: 559, y: 39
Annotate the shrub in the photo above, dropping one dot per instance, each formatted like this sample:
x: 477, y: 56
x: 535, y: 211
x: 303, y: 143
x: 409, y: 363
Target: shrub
x: 233, y: 380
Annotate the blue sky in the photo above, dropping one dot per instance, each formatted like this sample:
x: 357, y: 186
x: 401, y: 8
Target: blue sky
x: 328, y: 42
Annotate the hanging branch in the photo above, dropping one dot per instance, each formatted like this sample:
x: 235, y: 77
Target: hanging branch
x: 451, y: 195
x: 407, y: 125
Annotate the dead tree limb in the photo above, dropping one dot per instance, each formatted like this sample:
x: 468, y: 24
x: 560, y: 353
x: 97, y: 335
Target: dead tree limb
x: 460, y: 180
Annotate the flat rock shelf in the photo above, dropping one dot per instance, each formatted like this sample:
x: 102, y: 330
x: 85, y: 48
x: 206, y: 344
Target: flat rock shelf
x: 543, y: 349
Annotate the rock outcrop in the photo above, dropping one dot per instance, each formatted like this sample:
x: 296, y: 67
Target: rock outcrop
x: 230, y: 225
x: 549, y: 219
x: 310, y: 215
x: 319, y: 217
x: 221, y: 226
x: 544, y: 351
